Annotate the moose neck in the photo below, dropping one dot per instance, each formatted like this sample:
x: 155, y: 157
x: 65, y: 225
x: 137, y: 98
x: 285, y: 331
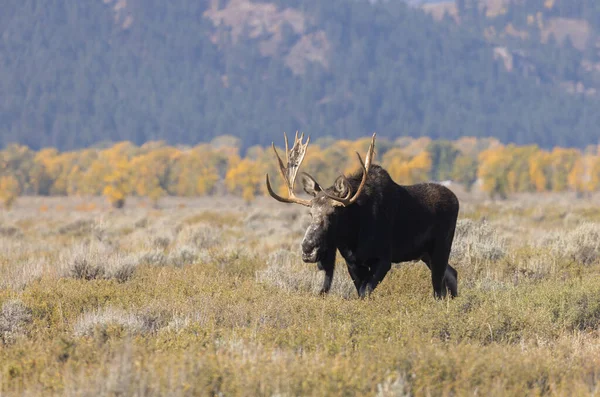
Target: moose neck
x: 347, y: 232
x: 355, y: 221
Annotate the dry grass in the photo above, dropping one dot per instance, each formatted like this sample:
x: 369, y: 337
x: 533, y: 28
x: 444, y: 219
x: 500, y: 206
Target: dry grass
x: 206, y: 297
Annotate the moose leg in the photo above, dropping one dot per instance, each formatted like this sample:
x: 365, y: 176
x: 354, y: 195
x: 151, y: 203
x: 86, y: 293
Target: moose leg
x: 327, y: 265
x: 446, y: 277
x: 359, y: 275
x: 438, y: 273
x: 381, y: 268
x: 451, y: 280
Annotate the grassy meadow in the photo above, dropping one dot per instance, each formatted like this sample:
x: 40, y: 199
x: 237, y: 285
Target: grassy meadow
x: 210, y: 297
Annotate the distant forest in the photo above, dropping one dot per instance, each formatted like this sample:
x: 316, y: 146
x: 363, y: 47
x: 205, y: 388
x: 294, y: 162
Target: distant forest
x: 76, y: 74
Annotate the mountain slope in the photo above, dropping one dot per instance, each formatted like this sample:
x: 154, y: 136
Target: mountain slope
x: 74, y: 73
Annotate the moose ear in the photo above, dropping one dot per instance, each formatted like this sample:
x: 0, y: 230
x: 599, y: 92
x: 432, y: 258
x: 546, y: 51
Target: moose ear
x: 341, y: 186
x: 310, y: 185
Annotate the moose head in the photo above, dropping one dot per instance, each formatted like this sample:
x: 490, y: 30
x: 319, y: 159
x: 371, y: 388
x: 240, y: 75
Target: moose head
x: 326, y: 204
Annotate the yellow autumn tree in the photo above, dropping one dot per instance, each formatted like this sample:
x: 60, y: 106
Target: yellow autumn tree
x: 151, y: 172
x: 540, y: 170
x: 395, y: 161
x: 465, y: 170
x: 39, y: 174
x: 98, y: 164
x: 207, y: 172
x: 347, y: 149
x: 562, y: 162
x: 69, y: 175
x: 93, y: 178
x: 407, y: 170
x: 400, y: 171
x: 420, y: 167
x: 580, y: 178
x: 595, y: 174
x: 246, y: 178
x: 56, y: 167
x: 576, y: 176
x: 17, y: 160
x: 412, y: 147
x: 117, y: 184
x: 115, y: 167
x: 9, y: 190
x: 340, y: 159
x: 77, y: 178
x: 195, y: 172
x: 494, y: 165
x: 518, y: 173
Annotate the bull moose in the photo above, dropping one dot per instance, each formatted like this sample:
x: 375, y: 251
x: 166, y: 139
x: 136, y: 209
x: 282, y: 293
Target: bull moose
x: 373, y: 222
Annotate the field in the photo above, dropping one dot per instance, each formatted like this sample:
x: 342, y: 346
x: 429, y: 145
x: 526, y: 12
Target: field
x: 210, y: 297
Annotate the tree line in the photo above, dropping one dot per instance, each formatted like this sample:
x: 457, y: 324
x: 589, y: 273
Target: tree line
x: 156, y: 169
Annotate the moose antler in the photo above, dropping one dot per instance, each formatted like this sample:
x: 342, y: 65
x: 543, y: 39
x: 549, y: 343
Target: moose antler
x: 346, y: 201
x: 294, y: 159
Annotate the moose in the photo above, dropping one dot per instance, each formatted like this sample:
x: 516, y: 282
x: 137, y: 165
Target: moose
x: 373, y: 222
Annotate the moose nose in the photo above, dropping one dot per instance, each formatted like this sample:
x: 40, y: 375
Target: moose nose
x: 309, y: 251
x: 311, y: 256
x: 306, y: 246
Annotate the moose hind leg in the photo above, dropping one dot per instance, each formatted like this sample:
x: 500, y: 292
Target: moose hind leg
x: 437, y: 280
x: 442, y: 278
x: 449, y: 276
x: 451, y: 280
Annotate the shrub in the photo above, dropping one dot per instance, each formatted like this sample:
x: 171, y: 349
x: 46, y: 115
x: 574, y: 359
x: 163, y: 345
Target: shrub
x: 284, y: 270
x: 580, y: 245
x: 13, y: 319
x: 98, y: 261
x: 99, y: 322
x: 476, y: 242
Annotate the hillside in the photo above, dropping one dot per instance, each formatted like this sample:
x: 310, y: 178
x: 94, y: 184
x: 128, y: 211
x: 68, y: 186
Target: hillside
x: 75, y: 74
x: 556, y: 41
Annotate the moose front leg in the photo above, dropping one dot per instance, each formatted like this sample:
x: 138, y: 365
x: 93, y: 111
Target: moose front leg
x: 358, y: 270
x: 327, y: 264
x: 359, y: 275
x: 379, y: 269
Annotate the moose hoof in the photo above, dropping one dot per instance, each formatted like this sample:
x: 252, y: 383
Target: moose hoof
x: 365, y: 290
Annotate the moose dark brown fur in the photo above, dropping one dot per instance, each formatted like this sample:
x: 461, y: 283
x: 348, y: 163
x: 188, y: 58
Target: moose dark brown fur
x: 374, y: 222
